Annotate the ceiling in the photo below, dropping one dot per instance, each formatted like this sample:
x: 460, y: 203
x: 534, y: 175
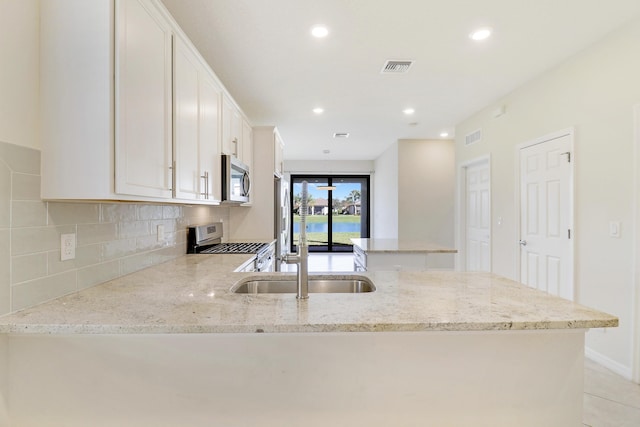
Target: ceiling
x: 263, y: 53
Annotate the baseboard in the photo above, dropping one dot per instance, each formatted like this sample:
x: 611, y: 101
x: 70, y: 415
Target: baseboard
x: 608, y: 363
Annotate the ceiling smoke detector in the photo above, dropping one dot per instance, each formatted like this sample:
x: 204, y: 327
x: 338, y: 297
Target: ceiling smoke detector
x: 341, y: 135
x: 394, y: 66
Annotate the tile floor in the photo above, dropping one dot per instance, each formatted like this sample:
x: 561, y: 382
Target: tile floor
x: 609, y: 399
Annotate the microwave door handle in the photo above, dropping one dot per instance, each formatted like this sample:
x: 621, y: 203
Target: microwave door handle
x: 246, y: 184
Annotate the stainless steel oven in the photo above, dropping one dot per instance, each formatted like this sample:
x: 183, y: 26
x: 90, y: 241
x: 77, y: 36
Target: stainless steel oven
x: 207, y: 239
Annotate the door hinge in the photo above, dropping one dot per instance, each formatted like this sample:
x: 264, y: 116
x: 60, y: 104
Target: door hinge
x: 568, y: 153
x: 569, y: 233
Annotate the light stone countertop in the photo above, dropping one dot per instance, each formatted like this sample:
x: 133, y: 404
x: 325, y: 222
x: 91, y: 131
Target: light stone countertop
x: 369, y: 245
x: 191, y: 295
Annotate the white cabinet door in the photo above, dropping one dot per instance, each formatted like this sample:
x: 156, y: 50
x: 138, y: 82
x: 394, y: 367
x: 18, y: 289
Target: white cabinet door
x: 278, y: 148
x: 247, y: 144
x: 196, y: 122
x: 186, y: 122
x: 143, y: 100
x: 231, y: 128
x: 228, y: 146
x: 210, y: 165
x: 76, y: 102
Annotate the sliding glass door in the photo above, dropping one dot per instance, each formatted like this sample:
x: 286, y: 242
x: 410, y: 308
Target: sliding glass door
x: 338, y: 210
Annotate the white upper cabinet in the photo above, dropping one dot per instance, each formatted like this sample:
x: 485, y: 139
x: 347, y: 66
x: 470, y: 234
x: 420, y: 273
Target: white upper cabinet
x: 278, y: 154
x: 143, y: 143
x: 196, y: 108
x: 247, y: 144
x: 209, y: 131
x: 76, y: 99
x: 231, y: 128
x: 186, y: 121
x: 237, y: 134
x: 126, y: 115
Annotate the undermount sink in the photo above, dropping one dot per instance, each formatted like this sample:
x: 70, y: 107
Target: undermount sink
x: 342, y: 285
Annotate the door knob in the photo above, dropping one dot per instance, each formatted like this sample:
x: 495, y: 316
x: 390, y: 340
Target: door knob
x: 523, y: 243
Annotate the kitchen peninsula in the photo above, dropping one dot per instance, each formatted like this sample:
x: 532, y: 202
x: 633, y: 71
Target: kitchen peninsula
x: 393, y: 254
x: 171, y: 345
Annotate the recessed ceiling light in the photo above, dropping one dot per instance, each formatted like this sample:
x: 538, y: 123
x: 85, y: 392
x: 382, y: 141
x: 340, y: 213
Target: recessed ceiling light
x: 444, y: 134
x: 480, y: 34
x: 318, y: 110
x: 408, y: 111
x: 319, y: 31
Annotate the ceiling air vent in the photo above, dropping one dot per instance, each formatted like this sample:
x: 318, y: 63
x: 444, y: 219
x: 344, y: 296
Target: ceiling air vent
x: 473, y: 137
x: 394, y: 66
x: 341, y: 135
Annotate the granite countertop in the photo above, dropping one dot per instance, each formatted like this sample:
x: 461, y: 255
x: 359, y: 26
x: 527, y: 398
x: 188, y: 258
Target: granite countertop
x: 191, y: 295
x: 405, y: 246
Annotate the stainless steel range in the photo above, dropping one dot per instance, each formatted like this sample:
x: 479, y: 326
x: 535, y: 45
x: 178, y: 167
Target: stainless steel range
x: 207, y: 239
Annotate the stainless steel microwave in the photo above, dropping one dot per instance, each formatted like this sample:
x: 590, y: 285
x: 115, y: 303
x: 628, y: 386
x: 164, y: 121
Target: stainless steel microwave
x: 236, y: 180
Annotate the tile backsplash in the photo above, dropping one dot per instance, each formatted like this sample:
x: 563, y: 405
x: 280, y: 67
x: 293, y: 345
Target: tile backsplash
x: 112, y: 239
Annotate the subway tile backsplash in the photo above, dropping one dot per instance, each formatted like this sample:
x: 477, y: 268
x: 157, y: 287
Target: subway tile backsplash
x: 113, y: 239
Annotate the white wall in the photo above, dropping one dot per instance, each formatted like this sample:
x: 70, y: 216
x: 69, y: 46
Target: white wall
x: 384, y: 218
x: 426, y: 190
x: 355, y: 167
x: 19, y: 73
x: 594, y: 92
x: 337, y: 167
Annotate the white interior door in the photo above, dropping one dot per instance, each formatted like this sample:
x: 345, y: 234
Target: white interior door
x: 478, y: 203
x: 546, y: 254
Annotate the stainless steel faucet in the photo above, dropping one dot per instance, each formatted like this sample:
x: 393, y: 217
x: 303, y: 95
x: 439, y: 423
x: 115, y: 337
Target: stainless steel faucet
x: 302, y: 256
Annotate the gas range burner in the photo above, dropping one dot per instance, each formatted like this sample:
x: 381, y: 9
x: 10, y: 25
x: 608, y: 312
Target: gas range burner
x: 206, y: 239
x: 234, y: 248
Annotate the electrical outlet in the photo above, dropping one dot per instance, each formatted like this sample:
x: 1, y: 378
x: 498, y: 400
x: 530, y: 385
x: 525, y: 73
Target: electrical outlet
x: 160, y: 233
x: 67, y: 246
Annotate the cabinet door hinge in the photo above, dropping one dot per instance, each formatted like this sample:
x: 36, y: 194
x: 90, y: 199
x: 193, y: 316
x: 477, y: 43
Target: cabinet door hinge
x: 569, y: 233
x: 568, y: 153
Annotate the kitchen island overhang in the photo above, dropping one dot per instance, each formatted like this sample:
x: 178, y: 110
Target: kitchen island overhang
x: 171, y: 346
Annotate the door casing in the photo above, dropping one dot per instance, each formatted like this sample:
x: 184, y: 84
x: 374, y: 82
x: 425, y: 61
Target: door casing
x: 635, y: 328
